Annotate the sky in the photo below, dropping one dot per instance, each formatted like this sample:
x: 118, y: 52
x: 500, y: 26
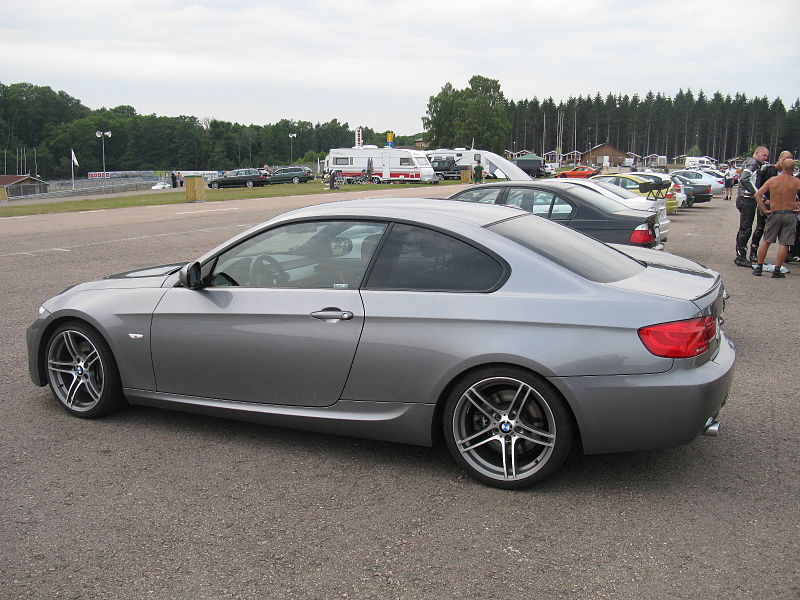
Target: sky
x: 378, y: 63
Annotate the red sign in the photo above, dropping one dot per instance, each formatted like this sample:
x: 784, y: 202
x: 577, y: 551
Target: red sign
x: 100, y: 175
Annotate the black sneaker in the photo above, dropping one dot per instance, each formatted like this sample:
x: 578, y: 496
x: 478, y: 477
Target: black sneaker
x: 757, y: 270
x: 776, y: 274
x: 741, y: 261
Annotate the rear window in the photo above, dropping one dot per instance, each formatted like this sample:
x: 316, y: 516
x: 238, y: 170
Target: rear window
x: 619, y: 191
x: 597, y: 199
x: 574, y: 251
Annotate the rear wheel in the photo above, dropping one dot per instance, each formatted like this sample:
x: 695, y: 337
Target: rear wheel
x: 507, y: 427
x: 376, y: 180
x: 295, y: 180
x: 249, y: 183
x: 82, y: 372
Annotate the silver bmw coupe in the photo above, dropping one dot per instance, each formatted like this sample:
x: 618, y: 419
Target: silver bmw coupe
x: 514, y: 339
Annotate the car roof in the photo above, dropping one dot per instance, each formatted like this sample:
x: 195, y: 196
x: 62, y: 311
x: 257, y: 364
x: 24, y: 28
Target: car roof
x: 426, y: 210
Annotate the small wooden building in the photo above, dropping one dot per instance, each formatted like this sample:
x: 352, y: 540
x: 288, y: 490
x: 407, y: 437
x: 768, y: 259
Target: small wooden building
x: 604, y: 154
x: 22, y: 185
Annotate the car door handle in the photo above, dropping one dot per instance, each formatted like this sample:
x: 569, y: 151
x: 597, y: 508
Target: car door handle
x: 332, y: 315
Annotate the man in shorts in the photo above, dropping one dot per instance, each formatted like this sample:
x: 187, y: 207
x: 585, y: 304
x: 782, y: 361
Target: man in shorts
x: 730, y: 174
x: 781, y: 215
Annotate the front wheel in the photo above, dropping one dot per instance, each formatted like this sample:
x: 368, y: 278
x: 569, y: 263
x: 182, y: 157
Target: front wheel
x: 295, y: 180
x: 507, y: 427
x: 376, y: 180
x: 215, y: 185
x: 82, y: 372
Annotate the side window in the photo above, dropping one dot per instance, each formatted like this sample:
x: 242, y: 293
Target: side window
x: 406, y: 162
x: 562, y: 210
x: 414, y: 258
x: 340, y: 160
x: 629, y: 184
x: 483, y: 196
x: 310, y: 255
x: 541, y: 204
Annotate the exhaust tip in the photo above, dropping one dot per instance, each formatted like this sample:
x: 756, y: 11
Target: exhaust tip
x: 711, y: 428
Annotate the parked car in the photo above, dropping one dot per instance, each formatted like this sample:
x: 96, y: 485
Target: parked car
x: 673, y: 191
x: 574, y: 206
x: 717, y: 183
x: 629, y: 199
x: 161, y: 185
x: 240, y: 177
x: 579, y: 172
x: 701, y: 191
x: 291, y: 175
x: 408, y: 320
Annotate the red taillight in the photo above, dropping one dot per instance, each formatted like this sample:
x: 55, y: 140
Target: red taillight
x: 643, y: 234
x: 708, y: 190
x: 679, y: 339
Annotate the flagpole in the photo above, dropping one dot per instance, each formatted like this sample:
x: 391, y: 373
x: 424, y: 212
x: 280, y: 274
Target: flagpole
x: 72, y: 167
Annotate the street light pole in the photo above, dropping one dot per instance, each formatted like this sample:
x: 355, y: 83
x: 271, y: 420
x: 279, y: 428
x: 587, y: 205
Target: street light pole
x: 103, y: 135
x: 291, y: 152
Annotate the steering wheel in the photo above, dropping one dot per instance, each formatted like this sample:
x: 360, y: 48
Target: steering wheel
x: 265, y: 271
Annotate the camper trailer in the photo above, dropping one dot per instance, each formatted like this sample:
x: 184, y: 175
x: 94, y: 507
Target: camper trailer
x: 380, y: 165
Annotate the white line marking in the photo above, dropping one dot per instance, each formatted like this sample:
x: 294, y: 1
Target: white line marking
x: 190, y: 212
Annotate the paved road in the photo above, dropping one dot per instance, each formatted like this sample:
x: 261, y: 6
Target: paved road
x: 157, y: 504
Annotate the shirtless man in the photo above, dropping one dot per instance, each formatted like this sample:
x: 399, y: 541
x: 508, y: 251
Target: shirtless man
x: 781, y: 215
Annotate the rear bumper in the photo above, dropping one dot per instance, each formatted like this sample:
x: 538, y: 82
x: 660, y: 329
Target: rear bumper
x: 620, y: 413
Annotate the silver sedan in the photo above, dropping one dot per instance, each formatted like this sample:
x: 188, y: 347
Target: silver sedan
x: 514, y: 339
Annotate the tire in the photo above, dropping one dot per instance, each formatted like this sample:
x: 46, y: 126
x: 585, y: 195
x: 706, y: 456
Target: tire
x: 249, y: 183
x: 82, y: 372
x: 439, y: 177
x: 507, y: 427
x: 295, y: 180
x: 215, y: 185
x: 376, y: 180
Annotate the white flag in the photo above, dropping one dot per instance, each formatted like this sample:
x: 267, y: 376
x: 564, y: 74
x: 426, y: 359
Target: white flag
x: 74, y: 160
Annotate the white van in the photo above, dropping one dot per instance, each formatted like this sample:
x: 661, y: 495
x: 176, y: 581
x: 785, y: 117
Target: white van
x: 695, y: 162
x: 388, y: 164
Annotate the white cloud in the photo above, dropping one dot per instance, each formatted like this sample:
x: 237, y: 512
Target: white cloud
x: 377, y: 63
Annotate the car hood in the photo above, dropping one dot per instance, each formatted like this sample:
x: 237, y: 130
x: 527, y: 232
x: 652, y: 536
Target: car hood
x: 150, y: 277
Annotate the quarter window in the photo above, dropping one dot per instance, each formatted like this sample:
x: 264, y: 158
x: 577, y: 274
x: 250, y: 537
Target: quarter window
x: 415, y: 258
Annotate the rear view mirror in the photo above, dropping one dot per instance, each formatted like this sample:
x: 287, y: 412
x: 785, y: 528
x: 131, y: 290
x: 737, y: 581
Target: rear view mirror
x: 190, y: 276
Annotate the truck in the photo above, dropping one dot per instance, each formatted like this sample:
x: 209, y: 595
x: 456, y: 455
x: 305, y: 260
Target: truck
x: 379, y: 165
x: 447, y: 168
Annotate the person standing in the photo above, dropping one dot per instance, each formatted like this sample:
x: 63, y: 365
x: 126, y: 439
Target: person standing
x: 765, y: 173
x: 746, y: 204
x: 730, y: 174
x: 174, y: 179
x: 781, y: 216
x: 477, y: 173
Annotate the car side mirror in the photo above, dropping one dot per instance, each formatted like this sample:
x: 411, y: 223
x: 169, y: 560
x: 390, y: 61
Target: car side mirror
x: 190, y: 276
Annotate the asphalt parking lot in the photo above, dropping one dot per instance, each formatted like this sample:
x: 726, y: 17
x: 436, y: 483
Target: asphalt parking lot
x: 156, y: 504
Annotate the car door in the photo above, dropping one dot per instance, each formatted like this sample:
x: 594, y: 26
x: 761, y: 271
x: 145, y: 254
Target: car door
x: 278, y: 321
x: 424, y: 286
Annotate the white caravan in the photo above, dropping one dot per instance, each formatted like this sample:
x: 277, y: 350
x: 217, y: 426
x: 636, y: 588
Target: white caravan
x: 388, y: 164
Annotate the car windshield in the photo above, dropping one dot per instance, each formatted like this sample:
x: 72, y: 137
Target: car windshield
x: 574, y: 251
